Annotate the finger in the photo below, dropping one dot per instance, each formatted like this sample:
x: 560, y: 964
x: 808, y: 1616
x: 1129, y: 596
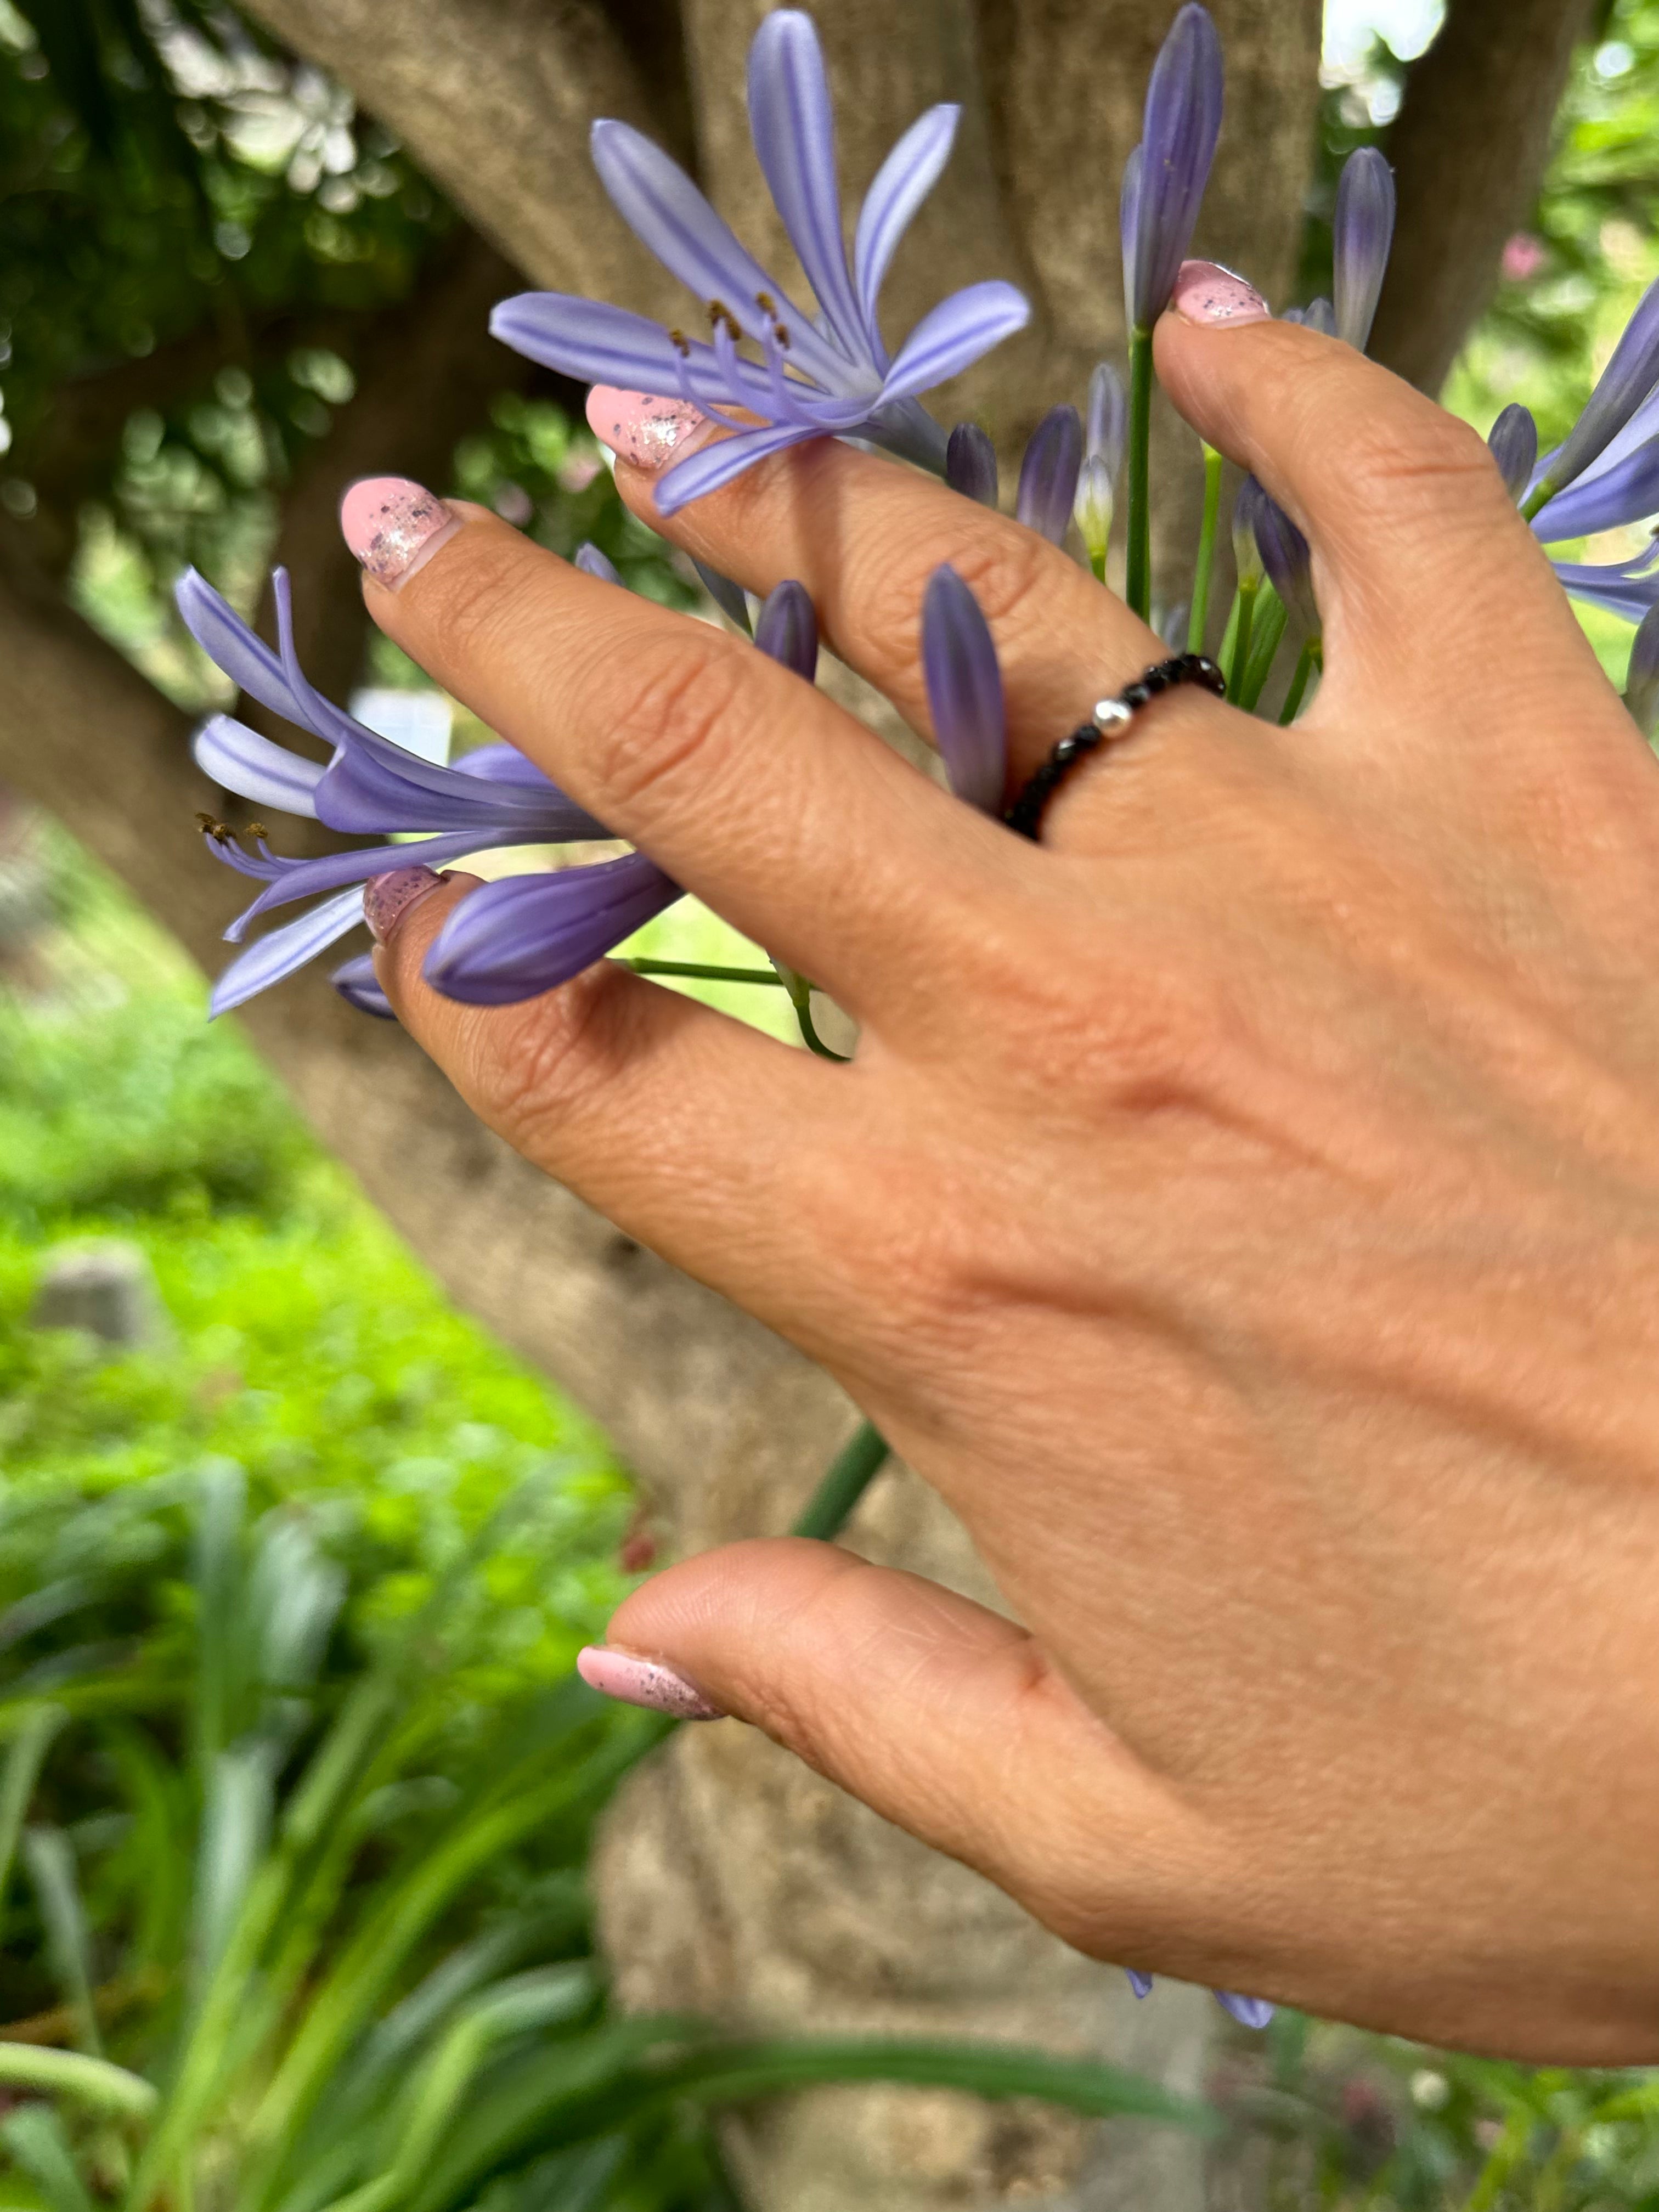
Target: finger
x: 711, y: 1143
x: 863, y: 536
x: 1413, y: 532
x: 943, y: 1717
x: 746, y: 784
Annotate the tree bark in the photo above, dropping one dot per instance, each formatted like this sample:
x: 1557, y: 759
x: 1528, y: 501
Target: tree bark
x: 1469, y: 150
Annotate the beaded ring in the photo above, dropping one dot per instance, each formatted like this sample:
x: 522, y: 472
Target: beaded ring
x: 1108, y: 726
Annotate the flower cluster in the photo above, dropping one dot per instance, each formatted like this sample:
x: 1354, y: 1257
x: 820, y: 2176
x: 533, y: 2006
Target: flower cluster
x: 773, y: 374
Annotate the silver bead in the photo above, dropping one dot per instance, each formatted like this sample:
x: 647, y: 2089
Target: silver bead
x: 1111, y: 717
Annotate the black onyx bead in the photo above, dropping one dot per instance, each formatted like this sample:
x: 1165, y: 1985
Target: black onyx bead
x: 1067, y: 749
x: 1135, y: 695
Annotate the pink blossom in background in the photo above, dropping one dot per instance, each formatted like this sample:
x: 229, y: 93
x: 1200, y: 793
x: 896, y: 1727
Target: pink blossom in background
x: 1524, y: 257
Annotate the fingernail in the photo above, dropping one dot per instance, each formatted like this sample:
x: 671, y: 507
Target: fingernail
x: 643, y: 1682
x: 394, y: 527
x: 1205, y: 292
x: 387, y: 898
x: 642, y: 430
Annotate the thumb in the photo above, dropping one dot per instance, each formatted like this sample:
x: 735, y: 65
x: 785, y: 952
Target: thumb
x: 941, y: 1716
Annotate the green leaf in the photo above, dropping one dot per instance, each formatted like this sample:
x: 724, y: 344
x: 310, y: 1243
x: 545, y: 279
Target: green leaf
x: 50, y: 1863
x: 97, y: 2083
x: 34, y: 2136
x: 36, y: 1729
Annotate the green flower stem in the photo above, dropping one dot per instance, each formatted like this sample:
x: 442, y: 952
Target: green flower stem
x: 1238, y: 662
x: 1267, y: 636
x: 699, y: 968
x: 1541, y: 497
x: 1098, y: 563
x: 1138, y: 579
x: 1310, y: 658
x: 95, y: 2082
x: 810, y: 1036
x: 848, y: 1476
x: 1506, y: 2155
x: 1199, y: 621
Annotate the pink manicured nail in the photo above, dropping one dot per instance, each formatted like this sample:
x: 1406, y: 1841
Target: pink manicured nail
x: 643, y: 1682
x: 642, y: 430
x: 394, y: 527
x: 1205, y: 292
x: 387, y: 898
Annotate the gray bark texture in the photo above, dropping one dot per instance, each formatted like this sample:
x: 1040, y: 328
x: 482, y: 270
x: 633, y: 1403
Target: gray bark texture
x: 1469, y: 150
x: 730, y: 1879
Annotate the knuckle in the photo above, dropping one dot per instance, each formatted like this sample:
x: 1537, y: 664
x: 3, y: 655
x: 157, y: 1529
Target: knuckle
x: 1395, y: 466
x: 1010, y: 570
x: 688, y: 701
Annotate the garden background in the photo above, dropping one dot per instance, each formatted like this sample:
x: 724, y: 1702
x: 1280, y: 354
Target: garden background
x: 297, y: 1798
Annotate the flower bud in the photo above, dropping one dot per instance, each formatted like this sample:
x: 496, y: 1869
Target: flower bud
x: 1513, y: 443
x: 1108, y: 419
x: 1247, y: 554
x: 970, y: 465
x: 1048, y: 473
x: 786, y: 630
x: 964, y: 690
x: 591, y: 562
x: 1093, y: 507
x: 1363, y: 234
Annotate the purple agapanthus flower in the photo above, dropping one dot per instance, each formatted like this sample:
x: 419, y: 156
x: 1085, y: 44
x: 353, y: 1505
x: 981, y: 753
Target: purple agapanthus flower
x: 1619, y: 488
x: 495, y: 946
x: 1164, y: 179
x: 815, y: 376
x: 1248, y: 2012
x: 1363, y: 233
x: 1630, y: 379
x: 1048, y: 473
x: 964, y: 690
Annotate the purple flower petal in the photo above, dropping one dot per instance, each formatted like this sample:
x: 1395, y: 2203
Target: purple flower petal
x: 359, y: 986
x: 597, y: 343
x: 711, y: 467
x: 1247, y: 554
x: 787, y: 629
x: 279, y: 952
x: 239, y: 759
x: 526, y: 935
x: 1128, y: 228
x: 592, y: 562
x: 1625, y: 588
x: 1140, y: 1984
x: 794, y: 128
x: 1363, y: 233
x: 1248, y: 2012
x: 964, y: 690
x: 1048, y: 473
x: 1628, y: 380
x: 970, y: 465
x: 229, y: 644
x: 1608, y: 500
x: 1177, y: 146
x: 290, y: 879
x: 902, y: 184
x: 1513, y: 442
x: 664, y: 209
x: 1286, y: 556
x: 952, y: 336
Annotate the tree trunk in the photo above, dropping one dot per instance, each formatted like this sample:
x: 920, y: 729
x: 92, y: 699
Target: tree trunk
x: 731, y: 1879
x: 1469, y: 150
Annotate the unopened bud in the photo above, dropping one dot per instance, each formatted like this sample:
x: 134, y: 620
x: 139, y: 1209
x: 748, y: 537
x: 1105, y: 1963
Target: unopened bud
x: 1247, y: 554
x: 1642, y: 683
x: 1093, y: 506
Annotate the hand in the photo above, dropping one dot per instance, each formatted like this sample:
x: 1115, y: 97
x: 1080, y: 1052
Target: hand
x: 1243, y: 1207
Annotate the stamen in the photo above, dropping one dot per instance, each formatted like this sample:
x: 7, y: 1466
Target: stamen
x: 680, y: 343
x: 720, y: 314
x: 220, y: 832
x: 767, y: 304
